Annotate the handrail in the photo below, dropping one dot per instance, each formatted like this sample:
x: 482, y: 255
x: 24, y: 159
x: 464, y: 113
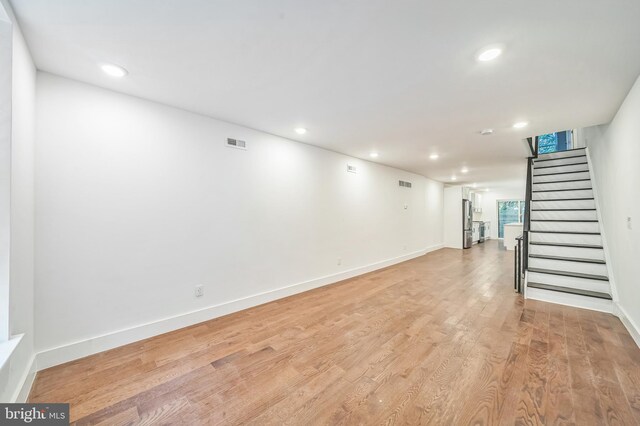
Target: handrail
x: 526, y: 225
x: 522, y: 249
x: 533, y: 146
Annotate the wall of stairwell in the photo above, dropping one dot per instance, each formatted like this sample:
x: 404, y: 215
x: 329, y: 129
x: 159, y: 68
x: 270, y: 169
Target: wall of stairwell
x: 615, y: 157
x: 18, y: 368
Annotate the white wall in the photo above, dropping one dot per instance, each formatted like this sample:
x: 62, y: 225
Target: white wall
x: 614, y: 150
x: 453, y: 217
x: 21, y: 295
x: 490, y: 204
x: 5, y: 169
x: 138, y: 202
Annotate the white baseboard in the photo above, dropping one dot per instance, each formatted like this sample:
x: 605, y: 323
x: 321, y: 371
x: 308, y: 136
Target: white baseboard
x: 632, y: 327
x: 80, y: 349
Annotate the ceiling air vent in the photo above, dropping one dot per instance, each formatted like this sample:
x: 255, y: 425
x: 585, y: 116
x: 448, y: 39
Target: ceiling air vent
x: 351, y: 169
x: 404, y: 184
x: 236, y: 143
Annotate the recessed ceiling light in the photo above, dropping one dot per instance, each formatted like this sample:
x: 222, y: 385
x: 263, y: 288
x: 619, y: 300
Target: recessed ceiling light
x: 434, y: 156
x: 486, y: 132
x: 301, y: 130
x: 373, y: 155
x: 489, y: 54
x: 453, y: 178
x: 475, y: 185
x: 464, y: 170
x: 113, y: 70
x: 520, y: 124
x: 486, y: 190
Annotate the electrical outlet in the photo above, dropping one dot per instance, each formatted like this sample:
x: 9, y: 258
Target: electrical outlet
x: 629, y: 222
x: 199, y: 291
x: 339, y: 261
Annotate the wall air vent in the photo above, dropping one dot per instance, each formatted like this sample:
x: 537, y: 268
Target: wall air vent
x: 351, y: 169
x: 404, y: 184
x: 236, y: 143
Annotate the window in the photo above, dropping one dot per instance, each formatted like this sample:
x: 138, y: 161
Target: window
x: 509, y: 211
x: 552, y: 142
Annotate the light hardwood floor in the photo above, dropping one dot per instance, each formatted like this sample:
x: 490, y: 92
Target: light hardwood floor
x: 441, y: 339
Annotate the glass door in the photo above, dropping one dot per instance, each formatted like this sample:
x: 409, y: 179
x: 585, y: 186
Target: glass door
x: 509, y: 211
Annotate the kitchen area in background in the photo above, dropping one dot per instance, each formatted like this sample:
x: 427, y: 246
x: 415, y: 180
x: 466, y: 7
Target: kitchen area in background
x: 474, y: 215
x: 478, y: 228
x: 464, y: 223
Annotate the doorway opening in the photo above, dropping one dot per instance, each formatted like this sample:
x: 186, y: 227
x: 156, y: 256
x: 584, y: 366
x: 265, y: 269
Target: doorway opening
x: 509, y: 211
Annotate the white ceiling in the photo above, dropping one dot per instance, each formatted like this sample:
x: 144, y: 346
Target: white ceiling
x: 398, y: 77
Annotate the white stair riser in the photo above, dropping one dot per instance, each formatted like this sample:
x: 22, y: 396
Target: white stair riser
x: 579, y: 252
x: 560, y: 161
x: 566, y: 238
x: 571, y: 282
x: 565, y: 226
x: 568, y: 176
x: 561, y: 169
x: 558, y: 195
x: 565, y: 215
x: 566, y: 205
x: 568, y: 266
x: 584, y: 302
x: 580, y: 184
x: 561, y: 154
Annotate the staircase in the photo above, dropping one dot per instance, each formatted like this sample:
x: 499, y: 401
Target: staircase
x: 566, y: 261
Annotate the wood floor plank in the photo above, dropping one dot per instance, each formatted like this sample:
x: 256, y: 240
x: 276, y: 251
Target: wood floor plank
x: 533, y: 394
x: 587, y: 407
x: 612, y: 398
x: 440, y: 339
x: 559, y: 409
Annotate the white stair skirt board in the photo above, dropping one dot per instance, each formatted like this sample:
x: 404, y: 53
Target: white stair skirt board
x: 575, y: 300
x: 565, y: 215
x: 565, y: 226
x: 556, y: 195
x: 592, y: 240
x: 576, y: 184
x: 569, y: 266
x: 577, y: 159
x: 562, y: 154
x: 564, y: 205
x: 538, y: 171
x: 571, y: 282
x: 577, y: 252
x: 563, y: 177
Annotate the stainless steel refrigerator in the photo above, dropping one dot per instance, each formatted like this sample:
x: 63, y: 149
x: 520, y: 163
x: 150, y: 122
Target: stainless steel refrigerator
x: 467, y: 224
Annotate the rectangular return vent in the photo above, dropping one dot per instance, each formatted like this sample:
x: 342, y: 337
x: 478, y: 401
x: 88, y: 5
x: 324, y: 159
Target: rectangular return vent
x: 236, y: 143
x: 351, y: 169
x: 404, y: 183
